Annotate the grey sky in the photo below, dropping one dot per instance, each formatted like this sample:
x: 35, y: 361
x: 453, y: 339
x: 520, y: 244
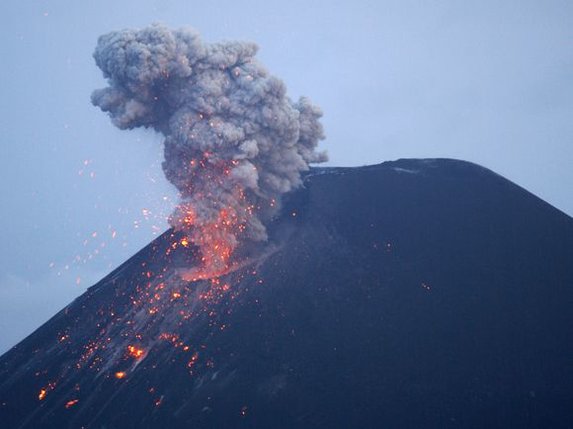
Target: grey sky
x: 486, y: 81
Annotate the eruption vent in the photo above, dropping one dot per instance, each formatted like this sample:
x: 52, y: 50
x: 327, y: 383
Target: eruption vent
x: 234, y: 142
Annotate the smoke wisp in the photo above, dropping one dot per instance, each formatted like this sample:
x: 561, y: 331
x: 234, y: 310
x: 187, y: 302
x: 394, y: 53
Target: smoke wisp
x: 234, y: 141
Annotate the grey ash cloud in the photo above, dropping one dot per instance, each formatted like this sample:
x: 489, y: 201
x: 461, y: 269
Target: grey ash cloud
x: 234, y: 141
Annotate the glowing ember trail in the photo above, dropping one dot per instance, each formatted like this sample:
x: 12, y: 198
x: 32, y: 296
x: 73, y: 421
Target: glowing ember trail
x: 71, y: 403
x: 234, y: 141
x: 44, y: 390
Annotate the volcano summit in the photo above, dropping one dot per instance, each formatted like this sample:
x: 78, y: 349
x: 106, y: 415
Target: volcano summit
x: 415, y: 293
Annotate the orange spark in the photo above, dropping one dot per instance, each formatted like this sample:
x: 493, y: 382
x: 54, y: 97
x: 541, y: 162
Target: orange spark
x: 193, y: 360
x: 135, y: 352
x: 44, y: 391
x: 71, y: 403
x: 119, y: 375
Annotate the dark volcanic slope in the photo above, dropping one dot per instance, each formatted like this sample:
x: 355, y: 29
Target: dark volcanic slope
x: 416, y: 293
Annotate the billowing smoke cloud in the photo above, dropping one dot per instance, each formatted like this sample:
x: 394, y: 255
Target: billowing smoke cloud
x: 234, y: 142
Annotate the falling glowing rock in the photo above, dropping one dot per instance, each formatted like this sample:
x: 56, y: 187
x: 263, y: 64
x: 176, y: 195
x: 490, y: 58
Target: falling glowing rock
x: 135, y: 352
x: 71, y: 403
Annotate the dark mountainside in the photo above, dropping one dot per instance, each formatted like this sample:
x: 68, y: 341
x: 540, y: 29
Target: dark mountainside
x: 415, y: 293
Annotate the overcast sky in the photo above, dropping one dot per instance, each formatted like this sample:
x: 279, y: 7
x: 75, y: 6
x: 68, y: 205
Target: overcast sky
x: 485, y: 81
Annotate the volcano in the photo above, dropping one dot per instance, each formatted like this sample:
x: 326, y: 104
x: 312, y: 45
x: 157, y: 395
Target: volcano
x: 415, y: 293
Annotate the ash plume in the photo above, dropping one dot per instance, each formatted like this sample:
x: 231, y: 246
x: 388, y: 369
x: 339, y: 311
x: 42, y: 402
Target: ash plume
x: 234, y: 141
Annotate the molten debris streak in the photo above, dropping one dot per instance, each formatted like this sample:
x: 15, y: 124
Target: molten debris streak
x: 44, y: 391
x: 71, y: 403
x: 193, y: 360
x: 234, y: 141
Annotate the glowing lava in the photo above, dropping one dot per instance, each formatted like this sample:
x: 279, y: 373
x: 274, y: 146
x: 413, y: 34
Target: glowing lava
x: 216, y: 240
x: 160, y: 310
x: 71, y: 403
x: 135, y: 352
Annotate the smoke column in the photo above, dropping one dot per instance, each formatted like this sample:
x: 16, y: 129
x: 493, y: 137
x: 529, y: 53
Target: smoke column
x: 234, y: 142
